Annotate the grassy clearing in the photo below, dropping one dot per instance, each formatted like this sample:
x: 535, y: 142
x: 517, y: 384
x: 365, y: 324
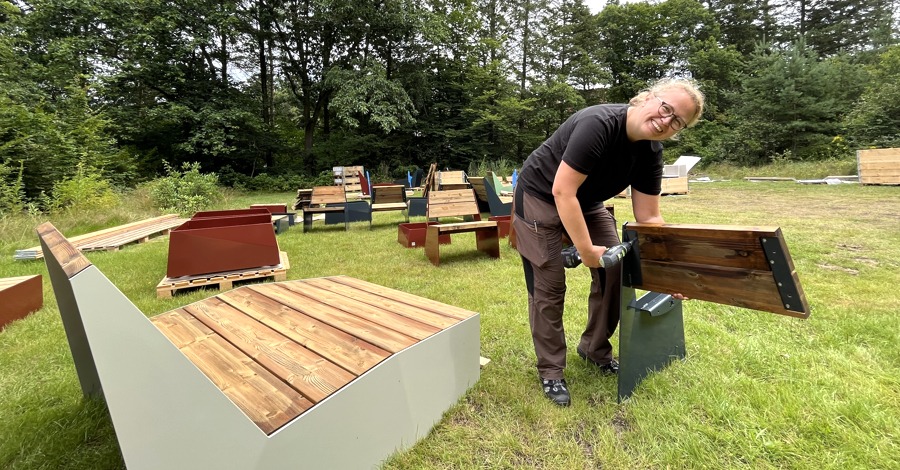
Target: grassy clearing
x: 756, y: 390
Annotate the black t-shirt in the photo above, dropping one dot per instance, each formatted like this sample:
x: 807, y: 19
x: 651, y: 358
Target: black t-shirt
x: 593, y: 142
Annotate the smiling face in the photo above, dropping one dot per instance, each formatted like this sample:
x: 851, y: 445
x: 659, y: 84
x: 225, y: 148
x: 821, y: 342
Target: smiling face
x: 649, y: 120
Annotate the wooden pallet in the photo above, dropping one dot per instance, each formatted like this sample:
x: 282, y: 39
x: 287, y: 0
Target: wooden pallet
x: 224, y: 281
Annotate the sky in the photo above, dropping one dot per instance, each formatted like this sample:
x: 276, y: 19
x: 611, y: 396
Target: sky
x: 595, y: 5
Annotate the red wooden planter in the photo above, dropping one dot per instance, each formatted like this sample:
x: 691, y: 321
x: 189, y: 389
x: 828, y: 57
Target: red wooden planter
x: 503, y: 222
x: 19, y: 296
x: 412, y: 235
x: 225, y: 243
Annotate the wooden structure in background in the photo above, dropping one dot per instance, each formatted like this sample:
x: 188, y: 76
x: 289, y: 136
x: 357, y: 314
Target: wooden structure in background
x: 326, y: 199
x: 389, y: 197
x: 347, y: 177
x: 20, y: 296
x: 878, y: 166
x: 113, y: 238
x: 319, y: 373
x: 458, y: 203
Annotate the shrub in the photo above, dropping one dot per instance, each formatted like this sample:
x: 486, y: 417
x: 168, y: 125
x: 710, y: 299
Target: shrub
x: 186, y: 191
x: 12, y: 191
x: 86, y: 190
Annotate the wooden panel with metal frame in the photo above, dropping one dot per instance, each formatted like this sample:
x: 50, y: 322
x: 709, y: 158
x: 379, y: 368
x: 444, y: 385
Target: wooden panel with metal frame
x: 325, y: 199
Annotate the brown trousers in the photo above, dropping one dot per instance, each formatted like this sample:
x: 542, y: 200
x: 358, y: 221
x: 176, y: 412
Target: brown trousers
x: 539, y: 233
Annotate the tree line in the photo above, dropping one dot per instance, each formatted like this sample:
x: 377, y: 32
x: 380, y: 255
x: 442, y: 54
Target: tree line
x: 294, y: 87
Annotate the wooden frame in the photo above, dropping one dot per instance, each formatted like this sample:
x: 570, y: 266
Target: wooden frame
x: 319, y: 373
x: 390, y: 198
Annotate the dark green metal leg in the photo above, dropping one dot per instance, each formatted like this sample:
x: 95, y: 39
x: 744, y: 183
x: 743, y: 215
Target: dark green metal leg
x: 651, y: 335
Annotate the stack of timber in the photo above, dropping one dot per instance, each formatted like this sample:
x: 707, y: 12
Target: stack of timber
x: 878, y: 166
x: 224, y: 280
x: 113, y: 238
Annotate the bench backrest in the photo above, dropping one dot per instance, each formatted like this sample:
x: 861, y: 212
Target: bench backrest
x: 477, y: 183
x: 452, y: 203
x: 388, y: 194
x: 327, y: 195
x: 742, y: 266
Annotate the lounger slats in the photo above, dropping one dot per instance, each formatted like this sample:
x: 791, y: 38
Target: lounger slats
x: 354, y: 306
x: 263, y: 397
x: 307, y: 372
x: 385, y: 338
x: 410, y: 299
x: 350, y: 353
x: 421, y: 315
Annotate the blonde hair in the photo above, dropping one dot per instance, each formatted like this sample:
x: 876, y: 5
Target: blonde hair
x: 686, y: 85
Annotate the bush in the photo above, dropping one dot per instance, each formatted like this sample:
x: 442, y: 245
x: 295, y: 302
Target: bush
x: 86, y: 190
x: 186, y: 191
x: 12, y: 191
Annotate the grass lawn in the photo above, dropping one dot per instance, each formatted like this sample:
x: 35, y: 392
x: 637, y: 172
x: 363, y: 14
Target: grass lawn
x: 756, y: 390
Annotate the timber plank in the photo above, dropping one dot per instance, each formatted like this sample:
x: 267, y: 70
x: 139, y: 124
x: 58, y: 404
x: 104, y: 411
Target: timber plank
x: 70, y: 259
x: 347, y: 302
x: 264, y: 398
x: 421, y: 302
x: 436, y: 320
x: 353, y: 354
x: 737, y: 253
x: 296, y: 296
x: 305, y: 371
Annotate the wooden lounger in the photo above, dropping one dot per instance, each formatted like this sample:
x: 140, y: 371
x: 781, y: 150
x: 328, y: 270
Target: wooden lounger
x: 320, y: 373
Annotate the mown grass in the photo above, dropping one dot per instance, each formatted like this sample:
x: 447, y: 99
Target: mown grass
x: 756, y: 390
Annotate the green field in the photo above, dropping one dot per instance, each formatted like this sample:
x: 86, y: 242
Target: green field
x: 756, y: 390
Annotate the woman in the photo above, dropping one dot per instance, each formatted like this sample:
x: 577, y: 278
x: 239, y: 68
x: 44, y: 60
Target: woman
x: 593, y: 156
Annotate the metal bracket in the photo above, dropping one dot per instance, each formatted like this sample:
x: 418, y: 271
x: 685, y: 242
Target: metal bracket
x: 631, y: 265
x: 784, y: 279
x: 653, y: 303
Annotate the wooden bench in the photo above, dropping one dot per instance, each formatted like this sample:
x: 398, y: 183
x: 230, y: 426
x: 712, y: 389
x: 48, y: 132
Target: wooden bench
x: 742, y: 266
x: 325, y: 199
x: 389, y: 198
x: 458, y: 203
x: 20, y: 296
x: 330, y: 372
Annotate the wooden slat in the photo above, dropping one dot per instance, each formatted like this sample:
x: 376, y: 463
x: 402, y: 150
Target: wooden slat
x: 465, y: 226
x: 353, y: 354
x: 727, y: 264
x: 264, y: 398
x: 746, y: 288
x: 307, y: 372
x: 421, y: 302
x: 295, y: 296
x: 347, y: 300
x: 435, y: 319
x: 70, y: 259
x: 328, y: 195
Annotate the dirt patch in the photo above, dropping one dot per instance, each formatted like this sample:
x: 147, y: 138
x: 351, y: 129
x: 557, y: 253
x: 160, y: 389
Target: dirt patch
x: 831, y: 267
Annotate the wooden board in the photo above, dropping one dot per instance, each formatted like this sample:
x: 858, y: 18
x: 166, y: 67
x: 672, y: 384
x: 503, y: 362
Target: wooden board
x: 278, y: 349
x: 222, y: 281
x: 114, y: 237
x: 742, y: 266
x: 878, y: 166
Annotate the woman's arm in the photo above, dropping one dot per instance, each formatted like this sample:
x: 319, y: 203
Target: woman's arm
x: 646, y: 208
x: 565, y: 189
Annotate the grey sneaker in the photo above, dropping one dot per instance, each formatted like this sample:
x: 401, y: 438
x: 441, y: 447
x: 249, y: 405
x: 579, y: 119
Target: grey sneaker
x: 556, y: 391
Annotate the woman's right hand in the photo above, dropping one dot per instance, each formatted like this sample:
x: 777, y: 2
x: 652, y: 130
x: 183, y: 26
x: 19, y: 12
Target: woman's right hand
x: 591, y: 257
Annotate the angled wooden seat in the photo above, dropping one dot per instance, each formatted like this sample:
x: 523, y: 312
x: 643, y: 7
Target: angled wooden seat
x: 459, y: 203
x: 448, y: 180
x: 325, y: 199
x: 330, y: 372
x: 389, y: 198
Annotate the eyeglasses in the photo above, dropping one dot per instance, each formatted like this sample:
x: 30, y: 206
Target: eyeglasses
x: 666, y: 110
